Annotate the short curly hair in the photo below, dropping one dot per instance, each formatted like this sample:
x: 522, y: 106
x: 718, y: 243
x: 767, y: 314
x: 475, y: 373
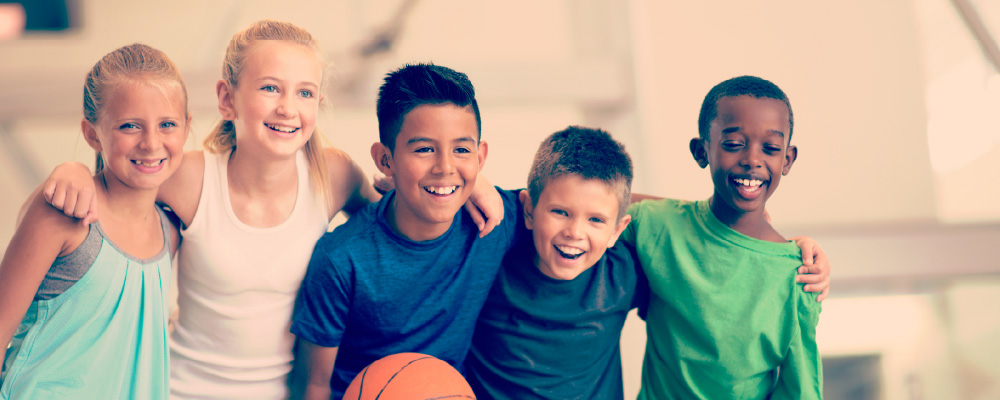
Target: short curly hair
x: 740, y: 86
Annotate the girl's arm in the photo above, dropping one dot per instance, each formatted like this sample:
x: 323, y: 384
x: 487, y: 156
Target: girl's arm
x: 45, y: 234
x: 348, y: 182
x: 70, y: 189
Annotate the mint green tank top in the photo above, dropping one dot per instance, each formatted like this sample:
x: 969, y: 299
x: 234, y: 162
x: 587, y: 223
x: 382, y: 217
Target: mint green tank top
x: 105, y: 337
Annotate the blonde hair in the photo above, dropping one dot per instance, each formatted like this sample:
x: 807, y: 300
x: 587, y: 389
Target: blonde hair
x: 222, y: 138
x: 132, y: 63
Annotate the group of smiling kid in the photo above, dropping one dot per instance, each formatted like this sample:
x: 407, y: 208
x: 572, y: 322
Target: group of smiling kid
x: 528, y: 303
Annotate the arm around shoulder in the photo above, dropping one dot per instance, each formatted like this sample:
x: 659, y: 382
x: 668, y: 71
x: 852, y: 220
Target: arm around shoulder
x: 348, y: 182
x: 182, y: 191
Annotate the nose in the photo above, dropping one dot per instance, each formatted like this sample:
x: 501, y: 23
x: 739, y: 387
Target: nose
x: 573, y: 228
x: 444, y: 165
x: 286, y: 106
x: 151, y: 140
x: 753, y: 157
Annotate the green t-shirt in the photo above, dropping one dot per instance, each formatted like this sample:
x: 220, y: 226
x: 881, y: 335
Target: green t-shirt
x: 726, y: 319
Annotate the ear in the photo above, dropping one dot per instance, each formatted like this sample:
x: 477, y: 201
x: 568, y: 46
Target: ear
x: 225, y: 94
x: 699, y: 150
x: 383, y: 158
x: 525, y: 197
x: 622, y: 224
x: 791, y: 153
x: 90, y: 135
x: 483, y: 149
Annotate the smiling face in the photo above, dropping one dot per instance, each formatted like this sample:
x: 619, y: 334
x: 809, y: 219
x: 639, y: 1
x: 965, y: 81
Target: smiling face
x: 573, y: 223
x: 274, y: 106
x: 140, y: 133
x: 434, y: 166
x: 747, y: 153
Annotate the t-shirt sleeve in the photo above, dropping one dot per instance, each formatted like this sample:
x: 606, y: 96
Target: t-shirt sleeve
x: 513, y: 216
x: 324, y: 300
x: 629, y: 234
x: 800, y: 375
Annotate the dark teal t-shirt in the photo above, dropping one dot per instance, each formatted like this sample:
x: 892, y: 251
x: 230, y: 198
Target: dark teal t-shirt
x: 544, y: 338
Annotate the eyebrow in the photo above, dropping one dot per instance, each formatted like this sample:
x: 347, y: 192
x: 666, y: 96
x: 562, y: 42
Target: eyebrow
x: 426, y: 139
x: 734, y: 129
x: 271, y: 78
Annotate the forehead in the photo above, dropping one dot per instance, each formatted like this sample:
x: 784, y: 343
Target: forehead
x: 595, y: 192
x: 771, y: 114
x: 140, y: 98
x: 439, y: 123
x: 282, y: 60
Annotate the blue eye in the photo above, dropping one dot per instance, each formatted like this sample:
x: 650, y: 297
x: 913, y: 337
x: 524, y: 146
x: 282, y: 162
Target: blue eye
x: 128, y: 125
x: 596, y: 220
x: 306, y: 94
x: 269, y: 88
x: 168, y: 124
x: 559, y: 212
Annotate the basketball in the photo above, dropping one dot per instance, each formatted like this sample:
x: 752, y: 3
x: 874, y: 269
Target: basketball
x: 409, y: 376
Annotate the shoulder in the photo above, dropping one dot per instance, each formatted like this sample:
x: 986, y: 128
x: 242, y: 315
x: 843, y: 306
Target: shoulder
x: 182, y: 190
x: 358, y: 230
x: 43, y: 222
x: 342, y: 169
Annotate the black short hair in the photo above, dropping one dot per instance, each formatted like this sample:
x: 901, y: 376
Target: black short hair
x: 414, y: 85
x: 588, y: 153
x: 739, y: 86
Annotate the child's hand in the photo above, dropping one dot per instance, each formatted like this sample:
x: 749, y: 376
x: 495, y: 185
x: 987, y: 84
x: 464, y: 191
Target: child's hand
x: 70, y: 188
x: 485, y: 206
x: 383, y: 184
x: 815, y: 271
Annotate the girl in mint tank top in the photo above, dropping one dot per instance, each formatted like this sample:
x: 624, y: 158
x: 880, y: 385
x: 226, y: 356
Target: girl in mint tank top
x: 84, y: 307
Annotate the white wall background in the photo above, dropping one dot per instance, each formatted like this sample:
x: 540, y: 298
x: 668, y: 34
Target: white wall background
x: 893, y: 105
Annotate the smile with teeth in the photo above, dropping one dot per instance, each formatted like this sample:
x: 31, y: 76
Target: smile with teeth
x: 750, y: 185
x: 148, y: 164
x: 569, y: 252
x: 441, y: 190
x: 279, y: 128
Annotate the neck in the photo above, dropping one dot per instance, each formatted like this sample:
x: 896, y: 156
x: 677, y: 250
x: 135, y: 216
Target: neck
x: 258, y: 177
x: 123, y: 201
x: 410, y: 226
x: 751, y: 223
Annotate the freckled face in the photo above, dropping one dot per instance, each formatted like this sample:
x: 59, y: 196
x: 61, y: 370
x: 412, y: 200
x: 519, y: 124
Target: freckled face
x: 140, y: 133
x: 573, y: 224
x: 748, y: 151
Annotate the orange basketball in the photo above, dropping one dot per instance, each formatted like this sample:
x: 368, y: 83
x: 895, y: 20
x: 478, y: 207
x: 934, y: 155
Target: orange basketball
x: 409, y: 376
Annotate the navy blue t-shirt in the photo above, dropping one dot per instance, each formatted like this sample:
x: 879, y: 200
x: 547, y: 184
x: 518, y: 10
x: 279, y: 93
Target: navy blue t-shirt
x: 372, y: 292
x: 544, y: 338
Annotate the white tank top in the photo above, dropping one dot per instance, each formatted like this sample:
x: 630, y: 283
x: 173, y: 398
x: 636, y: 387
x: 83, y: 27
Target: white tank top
x: 236, y: 289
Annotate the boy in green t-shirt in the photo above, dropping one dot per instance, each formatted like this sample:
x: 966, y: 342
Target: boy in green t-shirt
x: 726, y: 318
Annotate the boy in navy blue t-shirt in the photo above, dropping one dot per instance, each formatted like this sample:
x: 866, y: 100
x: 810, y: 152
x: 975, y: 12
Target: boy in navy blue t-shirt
x: 410, y: 272
x: 551, y: 325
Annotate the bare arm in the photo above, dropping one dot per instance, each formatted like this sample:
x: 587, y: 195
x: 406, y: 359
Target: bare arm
x: 315, y: 364
x: 348, y: 181
x: 70, y: 189
x: 46, y: 235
